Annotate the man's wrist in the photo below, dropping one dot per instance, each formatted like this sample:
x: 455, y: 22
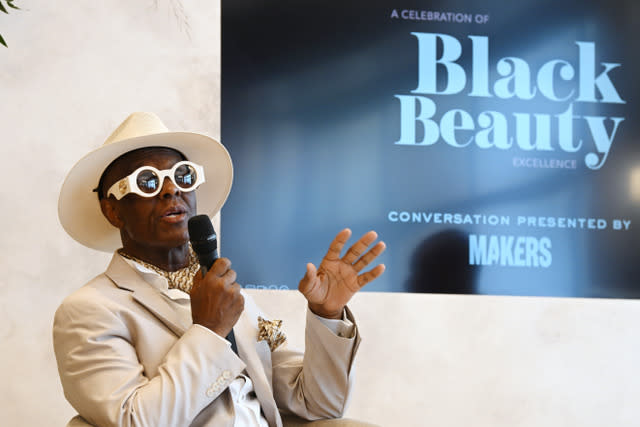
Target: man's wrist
x: 319, y: 311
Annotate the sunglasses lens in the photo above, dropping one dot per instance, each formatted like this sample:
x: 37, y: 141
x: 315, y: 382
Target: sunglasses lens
x: 147, y: 181
x: 186, y: 177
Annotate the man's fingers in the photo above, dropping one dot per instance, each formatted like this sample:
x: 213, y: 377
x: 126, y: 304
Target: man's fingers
x: 338, y: 243
x: 216, y: 299
x: 305, y: 283
x: 369, y: 256
x: 221, y: 266
x: 230, y: 277
x: 306, y: 280
x: 370, y: 275
x: 360, y: 247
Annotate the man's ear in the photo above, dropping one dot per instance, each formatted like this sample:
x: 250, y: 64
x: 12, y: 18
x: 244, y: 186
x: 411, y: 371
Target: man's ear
x: 110, y: 211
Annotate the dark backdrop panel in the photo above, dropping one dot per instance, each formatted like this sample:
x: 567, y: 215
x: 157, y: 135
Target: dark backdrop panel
x: 319, y: 100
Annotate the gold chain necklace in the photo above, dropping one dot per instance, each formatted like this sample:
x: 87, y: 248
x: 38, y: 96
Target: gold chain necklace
x: 180, y: 279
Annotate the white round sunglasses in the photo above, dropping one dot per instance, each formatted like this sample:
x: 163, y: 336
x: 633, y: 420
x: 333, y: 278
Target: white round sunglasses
x: 147, y: 181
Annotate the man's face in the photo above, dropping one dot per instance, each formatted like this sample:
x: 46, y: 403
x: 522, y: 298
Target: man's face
x: 157, y: 223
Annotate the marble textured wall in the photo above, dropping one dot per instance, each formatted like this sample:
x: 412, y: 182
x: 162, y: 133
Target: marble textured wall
x: 74, y: 70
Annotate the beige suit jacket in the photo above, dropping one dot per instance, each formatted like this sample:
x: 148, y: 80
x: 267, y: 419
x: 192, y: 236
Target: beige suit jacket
x: 126, y: 358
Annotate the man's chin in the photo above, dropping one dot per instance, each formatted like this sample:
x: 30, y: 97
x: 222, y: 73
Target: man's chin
x: 175, y: 238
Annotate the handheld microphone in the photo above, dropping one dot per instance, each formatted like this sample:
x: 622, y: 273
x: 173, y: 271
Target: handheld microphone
x: 205, y: 244
x: 203, y: 241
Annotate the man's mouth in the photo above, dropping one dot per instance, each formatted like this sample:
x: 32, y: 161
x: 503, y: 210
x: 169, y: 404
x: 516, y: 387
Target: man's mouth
x: 174, y: 213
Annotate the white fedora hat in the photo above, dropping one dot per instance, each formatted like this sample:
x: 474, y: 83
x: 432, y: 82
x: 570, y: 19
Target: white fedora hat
x: 78, y: 206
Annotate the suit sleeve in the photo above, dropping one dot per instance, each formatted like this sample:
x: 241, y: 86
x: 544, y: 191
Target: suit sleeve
x: 104, y: 381
x: 317, y: 384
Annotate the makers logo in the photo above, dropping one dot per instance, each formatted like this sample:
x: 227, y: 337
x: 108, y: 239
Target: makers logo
x: 493, y: 129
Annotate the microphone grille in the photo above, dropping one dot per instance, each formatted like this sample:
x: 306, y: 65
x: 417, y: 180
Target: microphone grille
x: 202, y: 235
x: 200, y: 227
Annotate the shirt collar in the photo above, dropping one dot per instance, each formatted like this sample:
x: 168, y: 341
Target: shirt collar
x: 157, y: 281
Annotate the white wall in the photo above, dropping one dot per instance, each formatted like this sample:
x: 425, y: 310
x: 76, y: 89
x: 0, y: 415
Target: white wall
x: 74, y: 70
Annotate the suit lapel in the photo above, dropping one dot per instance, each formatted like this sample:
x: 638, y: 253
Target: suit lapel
x: 125, y: 277
x: 257, y: 356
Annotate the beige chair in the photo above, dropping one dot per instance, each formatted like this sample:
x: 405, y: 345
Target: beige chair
x: 288, y: 421
x: 293, y: 421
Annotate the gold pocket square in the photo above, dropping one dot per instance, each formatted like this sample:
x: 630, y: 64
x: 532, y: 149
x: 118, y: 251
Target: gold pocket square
x: 270, y: 332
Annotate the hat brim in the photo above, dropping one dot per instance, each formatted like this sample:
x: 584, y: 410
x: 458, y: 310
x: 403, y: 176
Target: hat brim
x: 78, y: 206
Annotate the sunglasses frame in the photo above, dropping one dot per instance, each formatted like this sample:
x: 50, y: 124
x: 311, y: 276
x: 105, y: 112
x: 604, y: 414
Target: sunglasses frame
x: 129, y: 184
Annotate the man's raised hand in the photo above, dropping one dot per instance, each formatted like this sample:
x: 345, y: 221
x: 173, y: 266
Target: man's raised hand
x: 329, y: 287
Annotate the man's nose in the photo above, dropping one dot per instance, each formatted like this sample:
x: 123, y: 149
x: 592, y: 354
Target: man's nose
x: 169, y: 188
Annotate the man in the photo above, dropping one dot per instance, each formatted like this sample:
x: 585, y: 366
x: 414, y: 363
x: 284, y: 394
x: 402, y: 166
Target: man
x: 144, y: 343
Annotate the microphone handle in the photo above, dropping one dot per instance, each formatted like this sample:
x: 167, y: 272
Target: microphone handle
x: 232, y: 339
